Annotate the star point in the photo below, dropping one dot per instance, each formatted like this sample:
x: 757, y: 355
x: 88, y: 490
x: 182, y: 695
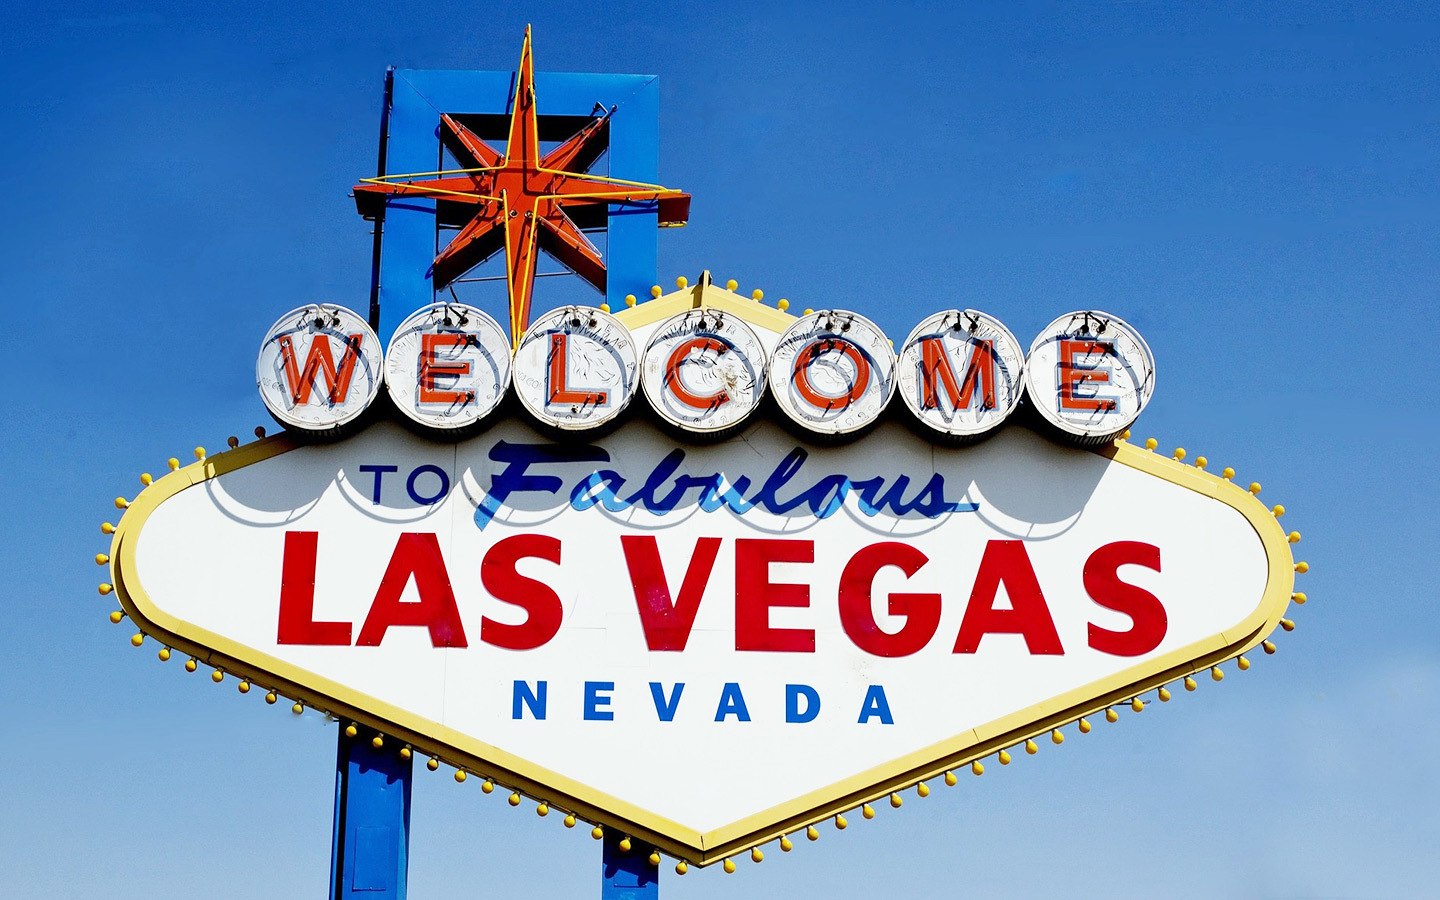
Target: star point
x: 517, y: 201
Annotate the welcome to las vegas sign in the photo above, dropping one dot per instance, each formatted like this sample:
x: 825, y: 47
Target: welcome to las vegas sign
x: 702, y: 571
x: 699, y: 571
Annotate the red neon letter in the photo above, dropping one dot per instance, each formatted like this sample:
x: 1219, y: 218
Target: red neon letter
x: 979, y: 372
x: 1007, y: 563
x: 297, y: 596
x: 805, y: 358
x: 417, y: 555
x: 319, y: 361
x: 755, y: 594
x: 560, y: 391
x: 676, y: 384
x: 539, y: 600
x: 1072, y: 376
x: 921, y: 611
x: 430, y: 367
x: 1103, y: 584
x: 667, y: 623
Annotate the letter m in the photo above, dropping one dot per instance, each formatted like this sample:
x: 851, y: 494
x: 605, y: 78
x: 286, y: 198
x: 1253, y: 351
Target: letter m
x: 320, y: 362
x: 936, y: 371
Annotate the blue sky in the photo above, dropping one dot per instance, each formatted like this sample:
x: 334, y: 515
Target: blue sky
x: 1258, y: 191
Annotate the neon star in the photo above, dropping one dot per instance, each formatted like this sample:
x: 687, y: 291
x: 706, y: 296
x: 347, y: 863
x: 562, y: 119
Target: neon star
x: 518, y: 200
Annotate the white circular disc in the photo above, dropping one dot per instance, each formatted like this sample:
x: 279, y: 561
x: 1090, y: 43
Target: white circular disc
x: 576, y: 368
x: 961, y: 372
x: 833, y: 372
x: 448, y: 366
x: 704, y: 370
x: 1090, y: 374
x: 319, y: 367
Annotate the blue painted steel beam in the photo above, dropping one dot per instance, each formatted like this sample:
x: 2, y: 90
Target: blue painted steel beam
x: 627, y: 875
x: 370, y: 852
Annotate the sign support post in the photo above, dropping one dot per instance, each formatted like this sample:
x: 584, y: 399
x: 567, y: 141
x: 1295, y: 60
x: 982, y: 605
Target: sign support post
x: 370, y: 853
x: 627, y: 875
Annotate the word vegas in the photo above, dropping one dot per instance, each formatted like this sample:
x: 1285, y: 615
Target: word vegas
x: 666, y: 613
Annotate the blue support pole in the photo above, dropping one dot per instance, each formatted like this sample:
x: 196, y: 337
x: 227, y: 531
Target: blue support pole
x: 370, y: 852
x: 627, y: 875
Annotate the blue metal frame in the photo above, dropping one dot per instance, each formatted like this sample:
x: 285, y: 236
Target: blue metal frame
x: 370, y: 850
x: 419, y: 96
x: 627, y: 875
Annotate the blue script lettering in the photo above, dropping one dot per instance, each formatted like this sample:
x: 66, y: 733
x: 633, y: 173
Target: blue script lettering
x: 667, y: 486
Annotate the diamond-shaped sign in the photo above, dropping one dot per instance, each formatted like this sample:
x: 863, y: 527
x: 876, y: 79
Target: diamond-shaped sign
x: 706, y: 647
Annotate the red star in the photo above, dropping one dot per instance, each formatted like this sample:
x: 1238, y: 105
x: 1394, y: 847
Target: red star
x: 518, y: 200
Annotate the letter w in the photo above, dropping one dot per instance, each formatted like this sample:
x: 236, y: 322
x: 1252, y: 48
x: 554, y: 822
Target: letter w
x: 320, y: 361
x: 667, y: 622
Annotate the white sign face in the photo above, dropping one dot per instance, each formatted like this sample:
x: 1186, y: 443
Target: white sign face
x: 319, y: 367
x: 1090, y: 374
x: 704, y: 371
x: 713, y: 640
x: 833, y: 372
x: 448, y: 366
x: 961, y: 372
x: 577, y: 368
